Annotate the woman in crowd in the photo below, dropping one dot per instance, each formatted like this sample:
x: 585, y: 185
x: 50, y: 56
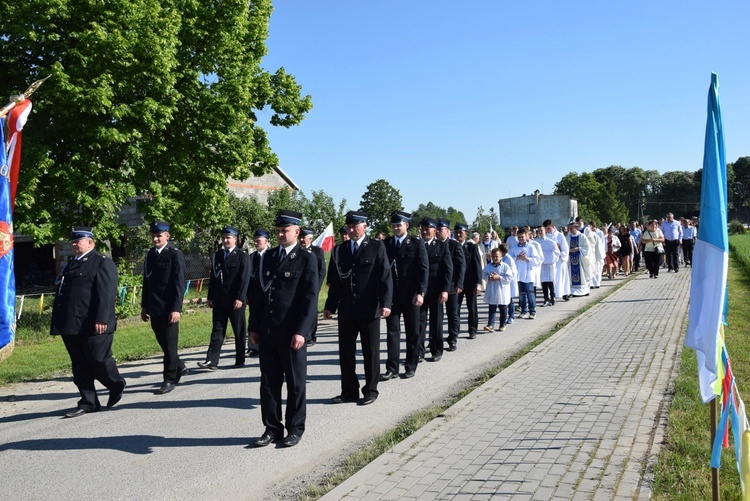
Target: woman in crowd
x: 613, y: 248
x: 653, y: 241
x: 626, y: 249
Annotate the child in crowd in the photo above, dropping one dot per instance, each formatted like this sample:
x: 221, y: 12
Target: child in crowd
x: 497, y: 294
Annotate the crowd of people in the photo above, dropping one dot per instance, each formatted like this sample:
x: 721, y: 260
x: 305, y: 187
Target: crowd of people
x: 414, y: 279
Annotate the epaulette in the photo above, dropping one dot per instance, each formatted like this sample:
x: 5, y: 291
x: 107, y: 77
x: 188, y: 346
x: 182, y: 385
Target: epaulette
x: 308, y: 250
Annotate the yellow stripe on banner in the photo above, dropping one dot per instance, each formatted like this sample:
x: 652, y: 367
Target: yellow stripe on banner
x: 720, y: 371
x: 745, y: 466
x: 41, y: 303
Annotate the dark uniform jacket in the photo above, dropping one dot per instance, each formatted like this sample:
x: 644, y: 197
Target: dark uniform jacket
x: 230, y: 277
x: 409, y: 268
x: 86, y: 295
x: 163, y: 281
x: 473, y: 275
x: 320, y: 256
x: 441, y: 268
x: 359, y: 285
x: 289, y: 303
x: 458, y: 260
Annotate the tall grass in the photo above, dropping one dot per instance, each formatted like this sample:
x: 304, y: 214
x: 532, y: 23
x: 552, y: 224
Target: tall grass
x: 683, y: 470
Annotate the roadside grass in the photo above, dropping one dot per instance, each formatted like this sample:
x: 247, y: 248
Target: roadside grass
x: 386, y: 441
x: 41, y: 356
x: 683, y: 470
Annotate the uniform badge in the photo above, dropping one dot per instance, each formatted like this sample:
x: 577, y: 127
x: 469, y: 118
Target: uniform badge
x: 287, y: 274
x: 268, y: 273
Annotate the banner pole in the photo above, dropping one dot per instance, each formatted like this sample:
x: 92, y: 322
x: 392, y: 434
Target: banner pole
x: 714, y: 471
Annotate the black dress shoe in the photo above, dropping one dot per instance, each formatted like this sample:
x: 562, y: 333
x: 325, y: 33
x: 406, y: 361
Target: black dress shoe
x: 309, y: 344
x: 78, y: 411
x: 421, y: 359
x: 367, y: 400
x: 291, y: 440
x: 340, y: 399
x: 407, y: 375
x: 238, y: 365
x: 252, y: 353
x: 472, y: 335
x: 435, y: 358
x: 165, y: 388
x: 207, y: 365
x: 183, y: 372
x: 264, y: 440
x: 452, y: 346
x: 115, y: 396
x: 388, y: 375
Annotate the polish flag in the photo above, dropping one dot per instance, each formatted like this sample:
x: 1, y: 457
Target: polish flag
x: 325, y: 240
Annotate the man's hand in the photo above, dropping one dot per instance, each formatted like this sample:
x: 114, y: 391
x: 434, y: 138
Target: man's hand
x: 144, y: 315
x: 384, y: 312
x: 522, y: 257
x: 443, y: 297
x: 418, y: 300
x: 99, y: 328
x: 297, y: 342
x: 238, y: 304
x: 326, y: 314
x: 174, y: 317
x: 478, y: 289
x: 253, y: 337
x: 459, y: 290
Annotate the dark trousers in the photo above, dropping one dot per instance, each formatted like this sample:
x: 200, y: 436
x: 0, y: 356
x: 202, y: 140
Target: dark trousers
x: 369, y: 332
x: 167, y: 335
x: 687, y: 251
x: 435, y: 310
x: 494, y: 308
x: 454, y: 319
x: 91, y: 358
x: 471, y: 307
x: 548, y: 289
x: 672, y: 250
x: 223, y: 314
x: 279, y: 363
x: 410, y: 313
x: 636, y: 258
x: 652, y: 262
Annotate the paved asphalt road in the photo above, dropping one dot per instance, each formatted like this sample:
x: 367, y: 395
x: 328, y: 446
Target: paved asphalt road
x: 194, y: 442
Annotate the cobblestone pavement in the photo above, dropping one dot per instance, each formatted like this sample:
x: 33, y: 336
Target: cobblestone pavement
x: 579, y: 417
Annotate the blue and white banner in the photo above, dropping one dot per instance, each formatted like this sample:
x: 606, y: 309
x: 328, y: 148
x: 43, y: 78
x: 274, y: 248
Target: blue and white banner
x: 708, y: 299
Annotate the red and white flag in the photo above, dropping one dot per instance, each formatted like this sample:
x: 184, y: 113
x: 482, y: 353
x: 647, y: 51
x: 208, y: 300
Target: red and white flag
x: 16, y: 120
x: 325, y: 240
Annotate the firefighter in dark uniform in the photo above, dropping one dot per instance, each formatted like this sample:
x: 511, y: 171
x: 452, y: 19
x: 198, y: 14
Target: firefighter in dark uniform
x: 438, y: 287
x: 361, y: 290
x: 227, y: 293
x: 260, y: 240
x: 409, y: 270
x: 472, y: 278
x: 281, y: 319
x: 161, y: 301
x: 84, y: 315
x: 305, y: 240
x: 457, y: 281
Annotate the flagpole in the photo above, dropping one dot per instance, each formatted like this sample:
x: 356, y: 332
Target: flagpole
x: 16, y: 100
x: 714, y: 471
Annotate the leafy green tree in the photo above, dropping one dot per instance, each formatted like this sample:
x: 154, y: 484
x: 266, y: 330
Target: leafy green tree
x: 741, y: 186
x: 379, y: 201
x: 485, y: 220
x: 147, y: 97
x: 679, y: 192
x: 434, y: 211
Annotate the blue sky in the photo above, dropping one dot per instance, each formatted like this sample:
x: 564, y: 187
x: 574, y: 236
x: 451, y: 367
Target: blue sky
x: 464, y: 103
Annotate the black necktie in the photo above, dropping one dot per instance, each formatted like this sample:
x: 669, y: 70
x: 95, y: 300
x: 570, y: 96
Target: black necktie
x: 282, y: 254
x: 398, y: 244
x: 356, y: 248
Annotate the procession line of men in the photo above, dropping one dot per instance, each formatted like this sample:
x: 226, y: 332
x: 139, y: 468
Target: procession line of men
x: 401, y: 277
